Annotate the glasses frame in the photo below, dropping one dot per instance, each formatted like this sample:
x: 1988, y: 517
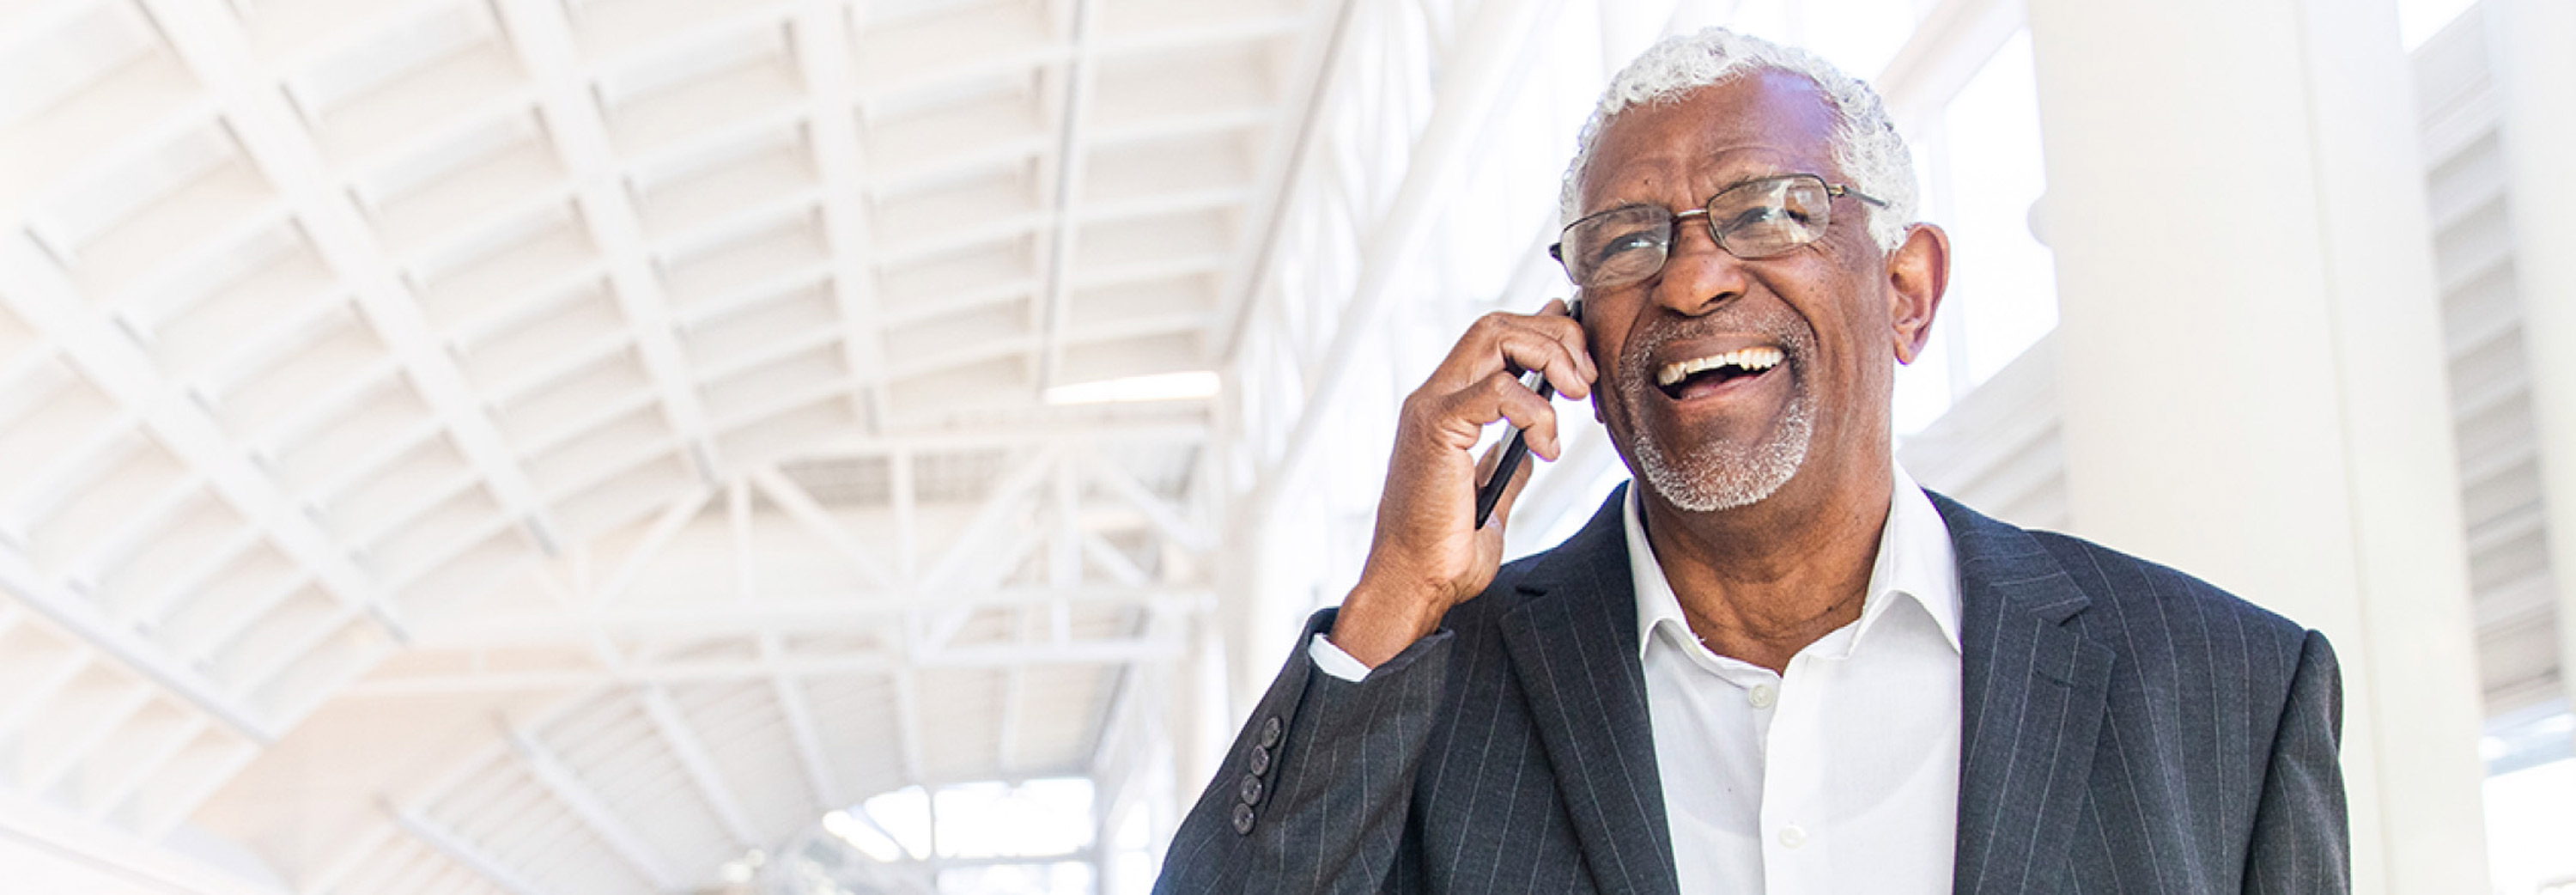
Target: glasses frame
x: 1672, y: 228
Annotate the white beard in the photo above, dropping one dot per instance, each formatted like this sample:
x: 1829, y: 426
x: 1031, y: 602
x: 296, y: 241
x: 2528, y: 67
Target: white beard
x: 1708, y: 476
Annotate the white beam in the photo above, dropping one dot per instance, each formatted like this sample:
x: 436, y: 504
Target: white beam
x: 30, y: 693
x: 1166, y: 520
x: 825, y: 782
x: 1481, y: 60
x: 906, y: 505
x: 677, y: 733
x: 2535, y: 79
x: 543, y: 36
x: 208, y: 38
x: 907, y: 720
x: 1242, y: 29
x: 191, y: 578
x: 141, y: 656
x: 914, y: 246
x: 1162, y: 204
x: 590, y: 809
x: 37, y: 292
x: 673, y: 518
x: 1015, y: 688
x: 82, y: 739
x: 143, y: 767
x: 346, y: 859
x: 1110, y: 560
x: 746, y: 566
x: 1174, y: 127
x: 483, y: 863
x: 792, y: 614
x: 1142, y: 427
x: 182, y: 799
x: 38, y: 830
x: 800, y: 505
x: 1064, y: 544
x: 1000, y: 507
x: 1283, y: 162
x: 1152, y: 647
x: 822, y: 38
x: 1072, y: 155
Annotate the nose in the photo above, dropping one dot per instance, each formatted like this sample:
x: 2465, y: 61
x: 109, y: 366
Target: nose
x: 1698, y: 275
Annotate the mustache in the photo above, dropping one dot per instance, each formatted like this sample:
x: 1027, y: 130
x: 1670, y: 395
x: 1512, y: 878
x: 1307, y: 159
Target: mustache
x: 1781, y: 325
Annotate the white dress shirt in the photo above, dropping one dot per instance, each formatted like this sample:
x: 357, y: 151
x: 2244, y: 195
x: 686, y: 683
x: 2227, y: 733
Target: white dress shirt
x: 1841, y: 775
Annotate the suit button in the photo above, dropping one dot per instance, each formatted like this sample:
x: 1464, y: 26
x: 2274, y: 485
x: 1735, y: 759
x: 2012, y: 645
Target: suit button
x: 1243, y: 819
x: 1249, y: 789
x: 1260, y: 760
x: 1270, y: 731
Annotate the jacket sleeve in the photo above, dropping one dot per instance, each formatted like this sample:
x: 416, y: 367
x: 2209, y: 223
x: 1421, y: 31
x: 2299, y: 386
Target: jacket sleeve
x: 2302, y: 843
x: 1313, y: 794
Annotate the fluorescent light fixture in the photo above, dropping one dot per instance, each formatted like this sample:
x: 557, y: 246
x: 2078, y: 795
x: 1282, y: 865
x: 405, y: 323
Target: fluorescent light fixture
x: 1157, y: 387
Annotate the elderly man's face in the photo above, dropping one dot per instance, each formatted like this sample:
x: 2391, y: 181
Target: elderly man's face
x: 1837, y: 311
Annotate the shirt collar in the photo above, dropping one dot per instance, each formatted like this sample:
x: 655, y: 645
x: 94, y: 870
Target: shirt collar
x: 1915, y: 560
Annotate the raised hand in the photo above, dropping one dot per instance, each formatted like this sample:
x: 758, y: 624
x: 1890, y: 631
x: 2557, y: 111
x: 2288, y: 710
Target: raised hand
x: 1428, y: 555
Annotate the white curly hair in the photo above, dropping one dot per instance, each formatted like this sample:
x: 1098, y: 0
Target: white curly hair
x: 1865, y: 144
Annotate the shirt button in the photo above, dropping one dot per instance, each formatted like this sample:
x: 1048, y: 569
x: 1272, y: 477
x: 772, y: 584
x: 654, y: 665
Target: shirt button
x: 1792, y: 836
x: 1763, y: 696
x: 1243, y: 819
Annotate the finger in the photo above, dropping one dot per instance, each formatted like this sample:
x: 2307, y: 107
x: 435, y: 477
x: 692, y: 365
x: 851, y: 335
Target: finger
x: 1517, y: 342
x: 1569, y: 332
x: 1535, y: 350
x: 1502, y: 397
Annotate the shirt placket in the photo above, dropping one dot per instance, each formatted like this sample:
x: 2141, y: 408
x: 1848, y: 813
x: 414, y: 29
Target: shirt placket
x: 1793, y: 775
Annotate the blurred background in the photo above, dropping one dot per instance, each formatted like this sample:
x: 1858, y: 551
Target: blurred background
x: 556, y: 447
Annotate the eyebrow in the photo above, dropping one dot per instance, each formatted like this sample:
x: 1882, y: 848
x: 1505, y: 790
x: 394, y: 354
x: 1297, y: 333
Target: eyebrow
x: 1732, y: 184
x: 1758, y: 178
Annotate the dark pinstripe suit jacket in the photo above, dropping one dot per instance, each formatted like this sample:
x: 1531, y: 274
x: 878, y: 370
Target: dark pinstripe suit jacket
x: 2126, y: 728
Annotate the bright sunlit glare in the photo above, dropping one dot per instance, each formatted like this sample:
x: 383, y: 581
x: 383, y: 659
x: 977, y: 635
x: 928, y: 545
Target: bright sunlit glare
x: 1156, y: 387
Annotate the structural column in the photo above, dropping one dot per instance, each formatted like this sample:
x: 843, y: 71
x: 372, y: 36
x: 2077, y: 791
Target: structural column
x: 2250, y: 364
x: 2535, y: 77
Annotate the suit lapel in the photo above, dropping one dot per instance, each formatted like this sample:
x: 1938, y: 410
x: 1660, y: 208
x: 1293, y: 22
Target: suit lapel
x: 1573, y: 644
x: 2032, y: 695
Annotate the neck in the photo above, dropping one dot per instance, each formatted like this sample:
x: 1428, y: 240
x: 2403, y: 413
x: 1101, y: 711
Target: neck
x: 1760, y: 582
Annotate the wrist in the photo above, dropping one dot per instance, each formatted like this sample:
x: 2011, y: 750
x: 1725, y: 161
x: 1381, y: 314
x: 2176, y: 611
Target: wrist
x: 1378, y: 620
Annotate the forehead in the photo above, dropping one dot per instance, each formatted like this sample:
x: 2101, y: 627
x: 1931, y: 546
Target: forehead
x: 1763, y: 122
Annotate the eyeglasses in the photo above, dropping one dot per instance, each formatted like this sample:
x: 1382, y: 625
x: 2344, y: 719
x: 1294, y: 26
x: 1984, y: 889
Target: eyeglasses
x: 1755, y: 219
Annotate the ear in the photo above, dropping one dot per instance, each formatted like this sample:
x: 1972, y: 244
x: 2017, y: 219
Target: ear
x: 1917, y: 273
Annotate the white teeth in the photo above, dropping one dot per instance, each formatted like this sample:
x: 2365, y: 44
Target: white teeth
x: 1756, y: 358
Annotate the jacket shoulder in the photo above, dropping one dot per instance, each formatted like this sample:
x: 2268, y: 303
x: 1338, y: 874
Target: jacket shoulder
x: 2135, y: 587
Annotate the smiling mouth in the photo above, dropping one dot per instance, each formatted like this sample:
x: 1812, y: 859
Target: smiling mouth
x: 1681, y: 377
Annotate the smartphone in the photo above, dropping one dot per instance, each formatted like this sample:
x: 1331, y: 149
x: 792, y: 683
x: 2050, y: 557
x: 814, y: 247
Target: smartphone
x: 1517, y: 449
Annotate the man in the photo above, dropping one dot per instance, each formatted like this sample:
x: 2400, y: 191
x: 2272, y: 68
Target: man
x: 1777, y: 666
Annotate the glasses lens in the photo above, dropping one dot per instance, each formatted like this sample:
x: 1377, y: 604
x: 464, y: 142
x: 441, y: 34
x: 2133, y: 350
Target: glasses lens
x: 1617, y: 247
x: 1768, y: 217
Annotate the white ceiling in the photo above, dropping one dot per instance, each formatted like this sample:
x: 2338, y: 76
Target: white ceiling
x: 552, y: 446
